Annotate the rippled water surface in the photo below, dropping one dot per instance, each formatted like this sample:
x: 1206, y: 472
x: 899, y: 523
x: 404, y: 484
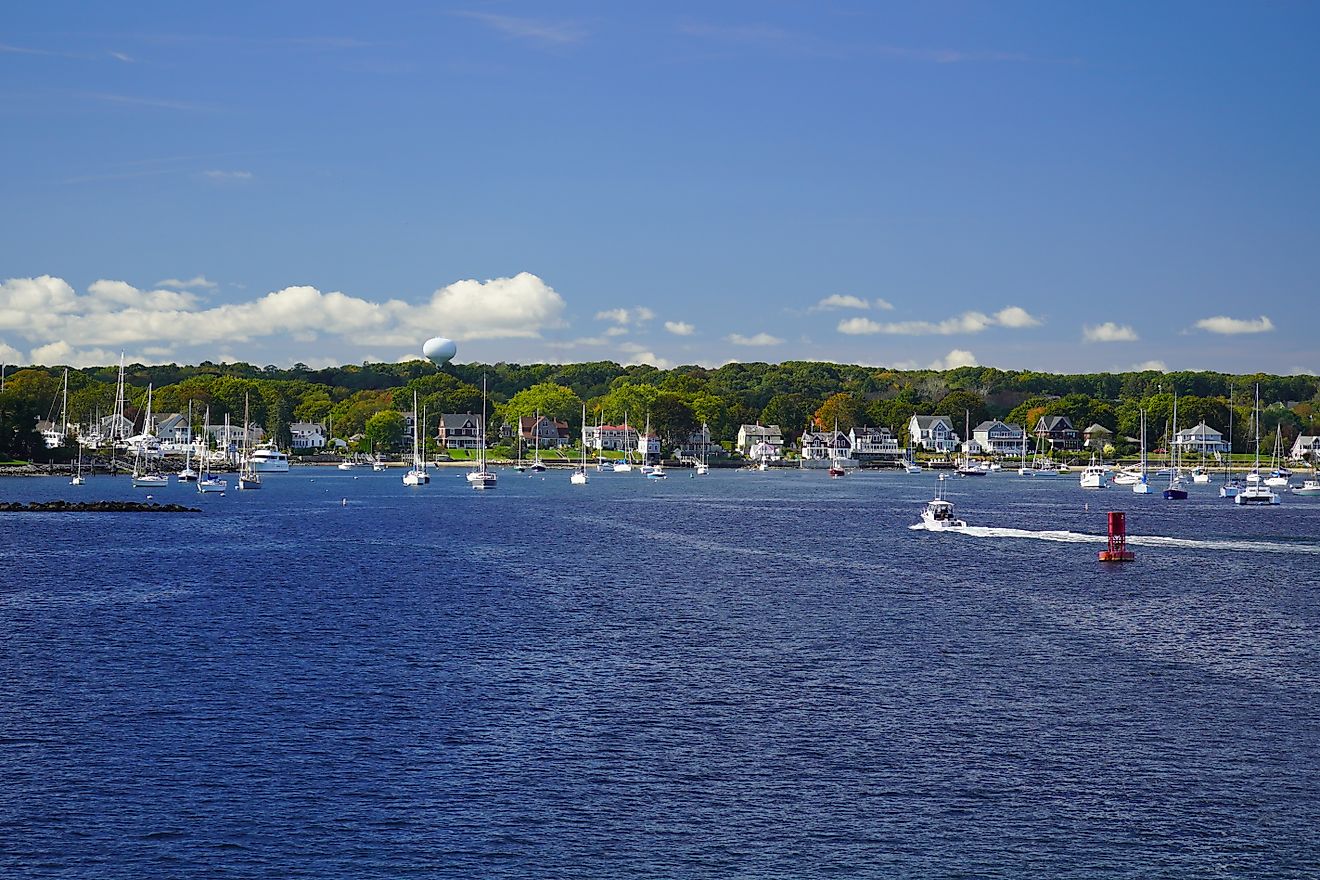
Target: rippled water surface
x: 745, y: 674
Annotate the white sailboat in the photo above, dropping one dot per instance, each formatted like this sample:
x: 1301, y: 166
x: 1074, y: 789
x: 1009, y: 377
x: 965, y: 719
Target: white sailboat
x: 188, y: 475
x: 966, y: 468
x: 1175, y: 491
x: 418, y: 475
x: 703, y: 466
x: 1256, y: 492
x: 205, y: 481
x: 248, y: 478
x: 145, y: 476
x: 537, y: 466
x: 1231, y: 487
x: 482, y: 477
x: 1278, y: 473
x: 78, y: 478
x: 603, y: 465
x: 579, y: 477
x: 623, y: 465
x: 1142, y: 485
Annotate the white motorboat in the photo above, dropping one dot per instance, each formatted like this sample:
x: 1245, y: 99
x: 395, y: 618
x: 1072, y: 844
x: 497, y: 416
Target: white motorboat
x: 657, y: 472
x: 1095, y: 475
x: 1308, y: 487
x: 938, y: 515
x: 267, y: 458
x: 347, y: 464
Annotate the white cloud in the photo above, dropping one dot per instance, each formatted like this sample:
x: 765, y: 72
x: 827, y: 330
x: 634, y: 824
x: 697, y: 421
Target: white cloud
x: 967, y: 322
x: 47, y: 310
x: 758, y: 339
x: 840, y: 301
x: 884, y: 304
x: 61, y: 353
x: 1109, y: 332
x: 616, y: 330
x: 626, y: 317
x: 956, y: 358
x: 186, y: 284
x: 680, y: 328
x: 639, y: 354
x: 1144, y: 366
x: 1232, y: 326
x: 1015, y: 316
x: 9, y: 354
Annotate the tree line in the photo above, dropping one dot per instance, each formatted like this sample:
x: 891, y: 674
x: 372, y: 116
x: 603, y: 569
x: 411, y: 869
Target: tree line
x: 793, y: 395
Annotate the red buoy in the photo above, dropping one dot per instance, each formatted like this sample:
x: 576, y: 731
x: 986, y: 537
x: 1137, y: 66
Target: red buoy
x: 1117, y: 550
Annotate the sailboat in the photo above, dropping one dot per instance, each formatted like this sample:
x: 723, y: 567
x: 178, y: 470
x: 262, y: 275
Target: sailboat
x: 624, y: 465
x: 1278, y: 473
x: 966, y: 468
x: 78, y: 478
x: 248, y: 478
x: 144, y: 475
x: 482, y: 477
x: 188, y: 475
x: 1231, y: 487
x: 1176, y: 491
x: 1142, y: 485
x: 703, y: 466
x: 536, y: 467
x: 579, y: 477
x: 603, y: 465
x: 418, y: 475
x: 836, y: 464
x: 644, y: 449
x: 205, y: 481
x: 1256, y: 492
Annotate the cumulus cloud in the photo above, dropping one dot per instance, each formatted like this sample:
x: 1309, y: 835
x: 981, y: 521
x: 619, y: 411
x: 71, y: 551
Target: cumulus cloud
x: 1233, y: 326
x: 46, y: 310
x: 840, y: 301
x: 638, y: 354
x: 187, y: 284
x: 626, y: 317
x: 757, y: 339
x: 9, y: 354
x: 1145, y: 366
x: 1109, y: 332
x: 967, y: 322
x: 680, y: 328
x: 954, y: 359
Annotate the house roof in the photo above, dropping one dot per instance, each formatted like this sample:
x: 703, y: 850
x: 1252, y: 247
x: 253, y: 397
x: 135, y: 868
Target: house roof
x: 928, y: 421
x: 1098, y: 428
x: 1201, y: 430
x: 454, y: 421
x: 759, y: 430
x: 304, y: 427
x: 1055, y: 423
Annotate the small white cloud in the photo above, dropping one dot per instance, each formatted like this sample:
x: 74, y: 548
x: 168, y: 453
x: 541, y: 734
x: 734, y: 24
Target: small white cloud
x: 618, y: 316
x: 9, y: 354
x: 626, y: 317
x: 1146, y: 366
x: 967, y: 322
x: 840, y: 301
x: 1109, y: 332
x: 680, y: 328
x: 1233, y: 326
x: 758, y: 339
x: 954, y: 359
x: 884, y: 304
x: 644, y: 314
x: 188, y: 283
x: 1016, y: 316
x: 122, y: 56
x: 216, y: 176
x: 616, y: 330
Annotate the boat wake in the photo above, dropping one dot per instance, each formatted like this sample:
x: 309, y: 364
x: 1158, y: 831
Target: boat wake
x: 1066, y: 537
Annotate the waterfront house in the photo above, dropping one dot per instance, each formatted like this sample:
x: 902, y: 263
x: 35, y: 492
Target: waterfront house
x: 874, y: 444
x: 459, y: 431
x: 697, y: 444
x: 1305, y: 446
x: 307, y: 435
x: 173, y: 428
x: 1059, y: 432
x: 932, y: 433
x: 1200, y: 440
x: 768, y: 436
x: 615, y: 438
x: 998, y: 438
x: 1097, y: 437
x: 825, y: 445
x: 543, y: 431
x: 648, y: 447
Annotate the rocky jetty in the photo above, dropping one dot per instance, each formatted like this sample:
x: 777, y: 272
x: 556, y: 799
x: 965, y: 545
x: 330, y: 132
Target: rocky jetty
x: 93, y: 507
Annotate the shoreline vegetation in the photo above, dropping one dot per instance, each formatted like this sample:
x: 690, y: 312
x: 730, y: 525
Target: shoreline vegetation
x: 366, y: 404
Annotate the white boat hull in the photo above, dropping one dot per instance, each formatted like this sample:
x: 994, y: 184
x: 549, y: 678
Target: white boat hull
x: 150, y: 482
x: 270, y: 465
x: 212, y: 485
x: 416, y: 478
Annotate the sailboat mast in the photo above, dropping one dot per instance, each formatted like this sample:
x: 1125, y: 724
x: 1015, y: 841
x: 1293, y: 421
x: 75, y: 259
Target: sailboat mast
x: 64, y: 405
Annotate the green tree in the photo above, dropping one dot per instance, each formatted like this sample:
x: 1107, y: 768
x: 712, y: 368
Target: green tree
x: 672, y: 419
x: 385, y: 430
x: 963, y: 403
x: 550, y: 400
x: 633, y: 400
x: 789, y: 411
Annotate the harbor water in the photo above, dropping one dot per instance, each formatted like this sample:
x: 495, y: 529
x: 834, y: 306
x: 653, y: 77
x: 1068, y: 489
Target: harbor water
x: 742, y: 674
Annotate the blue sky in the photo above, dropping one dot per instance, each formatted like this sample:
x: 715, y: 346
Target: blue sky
x: 1052, y: 186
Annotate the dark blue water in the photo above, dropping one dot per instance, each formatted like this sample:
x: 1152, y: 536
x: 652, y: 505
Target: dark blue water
x: 747, y: 674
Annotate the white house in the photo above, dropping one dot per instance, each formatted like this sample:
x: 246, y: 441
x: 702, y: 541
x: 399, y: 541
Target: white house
x: 767, y: 436
x: 174, y: 428
x: 874, y: 444
x: 307, y: 435
x: 1305, y: 445
x: 821, y: 447
x: 616, y: 438
x: 934, y: 433
x: 648, y: 447
x: 998, y: 438
x: 1201, y: 439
